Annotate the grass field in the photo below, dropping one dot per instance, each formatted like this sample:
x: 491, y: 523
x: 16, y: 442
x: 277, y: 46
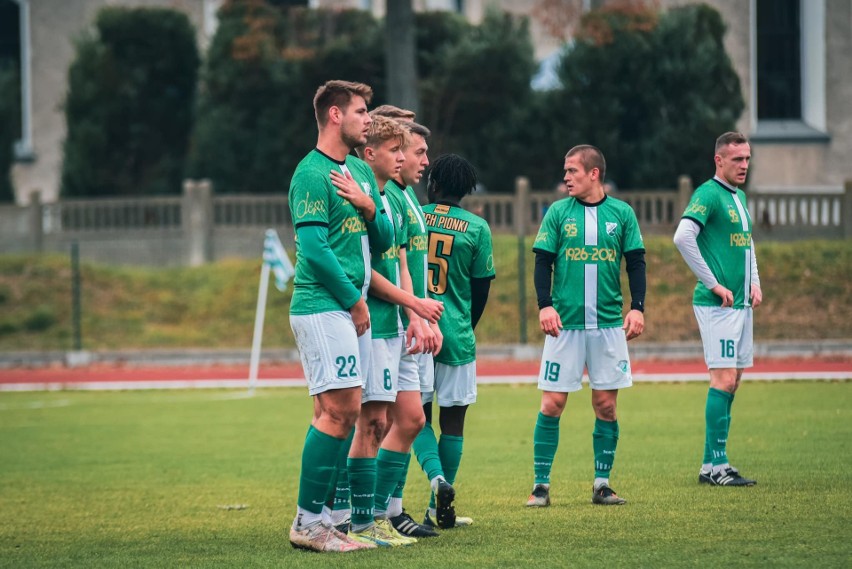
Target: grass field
x: 121, y: 479
x: 213, y: 306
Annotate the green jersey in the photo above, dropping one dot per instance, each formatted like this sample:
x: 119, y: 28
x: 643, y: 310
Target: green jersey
x: 416, y: 240
x: 588, y: 241
x: 459, y: 250
x: 313, y: 200
x: 385, y: 319
x: 724, y: 241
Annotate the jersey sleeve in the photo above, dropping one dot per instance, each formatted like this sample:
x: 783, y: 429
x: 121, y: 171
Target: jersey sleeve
x: 483, y: 258
x: 548, y: 234
x: 700, y: 206
x: 309, y: 196
x: 631, y: 239
x: 382, y: 234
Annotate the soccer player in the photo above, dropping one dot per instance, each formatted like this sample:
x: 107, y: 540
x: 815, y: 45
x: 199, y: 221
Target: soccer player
x: 579, y: 247
x: 335, y: 230
x: 714, y: 237
x: 383, y: 153
x: 416, y: 371
x: 461, y: 267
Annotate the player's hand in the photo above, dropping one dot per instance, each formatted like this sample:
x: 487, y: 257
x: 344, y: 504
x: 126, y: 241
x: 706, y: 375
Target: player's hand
x: 360, y: 316
x: 756, y: 296
x: 439, y: 337
x: 723, y: 293
x: 634, y: 324
x: 348, y: 189
x: 428, y: 309
x: 549, y: 321
x: 415, y: 341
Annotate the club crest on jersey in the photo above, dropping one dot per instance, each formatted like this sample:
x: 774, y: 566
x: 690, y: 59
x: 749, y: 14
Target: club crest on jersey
x: 610, y: 227
x: 733, y: 214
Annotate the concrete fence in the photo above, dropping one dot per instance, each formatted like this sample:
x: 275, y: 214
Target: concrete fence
x: 199, y: 226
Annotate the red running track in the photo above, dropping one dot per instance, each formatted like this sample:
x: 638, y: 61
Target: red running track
x: 489, y: 371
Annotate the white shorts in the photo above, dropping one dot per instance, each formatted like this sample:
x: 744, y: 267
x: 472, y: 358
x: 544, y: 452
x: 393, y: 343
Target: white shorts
x: 409, y: 371
x: 602, y: 350
x: 727, y: 335
x: 382, y: 383
x: 329, y: 349
x: 426, y: 372
x: 454, y: 385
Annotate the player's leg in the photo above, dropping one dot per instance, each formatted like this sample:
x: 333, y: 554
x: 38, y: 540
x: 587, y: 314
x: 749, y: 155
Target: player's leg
x: 609, y: 370
x: 407, y: 421
x: 561, y: 373
x: 424, y: 369
x: 727, y: 343
x: 324, y: 340
x: 455, y: 390
x: 425, y: 448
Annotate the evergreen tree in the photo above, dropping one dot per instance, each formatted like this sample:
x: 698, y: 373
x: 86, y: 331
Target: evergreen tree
x: 129, y: 108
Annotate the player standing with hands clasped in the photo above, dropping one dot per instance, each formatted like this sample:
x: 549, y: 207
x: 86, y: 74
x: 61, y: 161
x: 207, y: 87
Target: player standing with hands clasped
x: 714, y: 237
x: 577, y: 280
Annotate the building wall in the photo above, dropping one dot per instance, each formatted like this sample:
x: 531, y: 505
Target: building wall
x: 54, y: 24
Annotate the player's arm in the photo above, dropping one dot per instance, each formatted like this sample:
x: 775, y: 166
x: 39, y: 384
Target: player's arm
x: 479, y: 288
x: 385, y: 290
x: 419, y: 336
x: 756, y: 292
x: 313, y: 241
x: 634, y: 321
x: 686, y: 241
x: 548, y: 318
x: 379, y: 228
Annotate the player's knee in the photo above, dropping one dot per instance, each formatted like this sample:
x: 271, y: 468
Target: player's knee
x: 553, y: 404
x: 605, y: 410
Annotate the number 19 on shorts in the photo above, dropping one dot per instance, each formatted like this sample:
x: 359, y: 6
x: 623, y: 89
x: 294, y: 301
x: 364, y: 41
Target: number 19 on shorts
x: 551, y: 370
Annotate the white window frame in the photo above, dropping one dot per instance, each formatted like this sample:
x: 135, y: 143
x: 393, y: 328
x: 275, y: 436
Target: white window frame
x: 812, y: 125
x: 24, y: 145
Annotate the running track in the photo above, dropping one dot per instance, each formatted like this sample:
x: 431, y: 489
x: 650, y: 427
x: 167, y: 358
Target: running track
x: 117, y: 377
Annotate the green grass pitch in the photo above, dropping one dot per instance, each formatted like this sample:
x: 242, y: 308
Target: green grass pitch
x: 136, y: 479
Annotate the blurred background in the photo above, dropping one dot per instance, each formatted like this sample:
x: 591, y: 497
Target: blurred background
x: 156, y: 136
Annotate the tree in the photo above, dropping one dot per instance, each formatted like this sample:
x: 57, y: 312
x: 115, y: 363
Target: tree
x: 651, y: 89
x: 255, y: 117
x: 129, y: 106
x: 477, y: 95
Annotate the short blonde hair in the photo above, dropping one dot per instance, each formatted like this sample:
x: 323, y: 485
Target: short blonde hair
x: 384, y: 128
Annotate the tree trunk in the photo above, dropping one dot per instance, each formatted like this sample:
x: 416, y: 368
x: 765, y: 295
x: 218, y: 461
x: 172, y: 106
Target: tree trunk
x: 400, y: 58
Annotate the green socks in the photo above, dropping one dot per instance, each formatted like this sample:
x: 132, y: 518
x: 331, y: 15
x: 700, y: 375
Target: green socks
x: 390, y: 466
x: 426, y: 448
x: 717, y: 421
x: 319, y: 462
x: 604, y: 441
x: 362, y: 481
x: 338, y: 491
x: 545, y: 441
x: 708, y: 456
x: 450, y: 451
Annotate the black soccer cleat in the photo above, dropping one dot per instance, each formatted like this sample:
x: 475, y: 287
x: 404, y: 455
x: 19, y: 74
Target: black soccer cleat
x: 704, y: 477
x: 730, y: 476
x: 445, y: 513
x: 405, y: 525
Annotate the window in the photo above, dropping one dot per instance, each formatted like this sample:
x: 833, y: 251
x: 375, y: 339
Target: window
x: 788, y: 70
x: 779, y: 60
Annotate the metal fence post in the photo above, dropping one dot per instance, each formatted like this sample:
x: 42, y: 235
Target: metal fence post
x: 522, y: 215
